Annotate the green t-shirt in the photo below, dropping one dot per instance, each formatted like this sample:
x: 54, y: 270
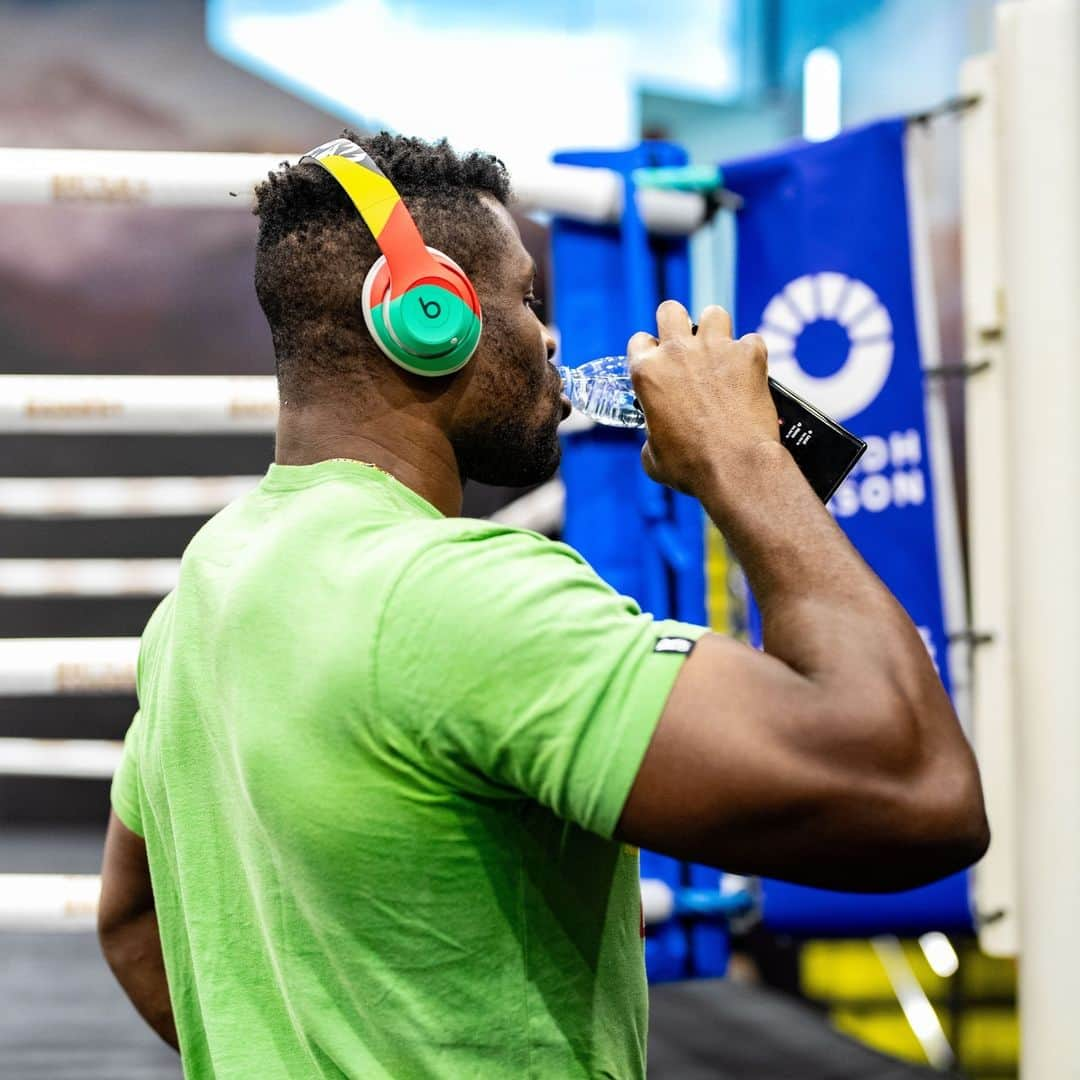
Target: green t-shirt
x: 378, y: 760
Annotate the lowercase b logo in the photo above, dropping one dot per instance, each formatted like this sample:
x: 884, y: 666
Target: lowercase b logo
x: 431, y: 308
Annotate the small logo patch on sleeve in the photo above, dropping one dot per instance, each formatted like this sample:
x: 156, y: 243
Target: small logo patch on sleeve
x: 681, y: 645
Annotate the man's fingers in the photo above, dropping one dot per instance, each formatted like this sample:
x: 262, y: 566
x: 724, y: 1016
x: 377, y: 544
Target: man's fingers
x: 639, y: 345
x: 672, y: 320
x: 758, y: 344
x: 715, y: 323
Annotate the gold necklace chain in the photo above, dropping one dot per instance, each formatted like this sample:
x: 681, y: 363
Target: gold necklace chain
x: 357, y: 461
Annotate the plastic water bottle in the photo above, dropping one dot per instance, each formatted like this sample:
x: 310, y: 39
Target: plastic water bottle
x: 602, y: 390
x: 823, y: 450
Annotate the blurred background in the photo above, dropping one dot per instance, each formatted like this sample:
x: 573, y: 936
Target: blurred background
x: 87, y: 288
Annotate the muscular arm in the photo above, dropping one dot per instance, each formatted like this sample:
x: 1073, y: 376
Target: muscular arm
x: 128, y: 929
x: 834, y: 758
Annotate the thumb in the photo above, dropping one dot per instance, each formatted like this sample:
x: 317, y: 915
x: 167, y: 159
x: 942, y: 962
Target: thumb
x: 648, y: 461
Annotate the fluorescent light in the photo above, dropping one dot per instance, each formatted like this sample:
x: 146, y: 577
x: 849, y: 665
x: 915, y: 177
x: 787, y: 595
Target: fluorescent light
x: 433, y: 69
x: 821, y: 95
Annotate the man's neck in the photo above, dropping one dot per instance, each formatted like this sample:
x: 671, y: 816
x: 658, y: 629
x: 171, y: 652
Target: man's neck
x: 406, y: 444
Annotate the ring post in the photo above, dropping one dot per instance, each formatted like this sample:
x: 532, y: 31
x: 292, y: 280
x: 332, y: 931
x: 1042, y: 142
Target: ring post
x: 1038, y: 45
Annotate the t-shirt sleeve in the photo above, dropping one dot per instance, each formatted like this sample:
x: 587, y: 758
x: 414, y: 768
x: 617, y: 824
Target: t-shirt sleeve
x: 124, y: 794
x: 517, y: 671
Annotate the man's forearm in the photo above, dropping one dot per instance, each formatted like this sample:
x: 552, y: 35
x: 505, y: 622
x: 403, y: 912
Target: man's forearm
x: 133, y: 951
x: 879, y: 711
x: 824, y: 611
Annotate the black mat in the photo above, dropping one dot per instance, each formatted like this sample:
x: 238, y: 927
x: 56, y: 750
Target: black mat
x: 63, y: 1016
x: 717, y: 1030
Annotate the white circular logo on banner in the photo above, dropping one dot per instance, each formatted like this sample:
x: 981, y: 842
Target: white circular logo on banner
x: 854, y: 350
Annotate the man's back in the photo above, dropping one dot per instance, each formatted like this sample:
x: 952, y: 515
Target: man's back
x: 351, y: 877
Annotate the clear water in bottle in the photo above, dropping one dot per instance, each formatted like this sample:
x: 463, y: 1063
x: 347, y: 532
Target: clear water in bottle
x: 602, y: 390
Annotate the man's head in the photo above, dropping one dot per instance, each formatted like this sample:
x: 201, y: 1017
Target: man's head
x: 500, y: 413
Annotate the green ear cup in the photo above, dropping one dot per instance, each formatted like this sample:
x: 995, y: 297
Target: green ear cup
x: 428, y: 330
x: 432, y: 328
x: 427, y: 318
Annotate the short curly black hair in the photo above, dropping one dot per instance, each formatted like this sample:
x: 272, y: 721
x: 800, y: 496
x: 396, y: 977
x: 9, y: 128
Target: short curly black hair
x: 314, y: 249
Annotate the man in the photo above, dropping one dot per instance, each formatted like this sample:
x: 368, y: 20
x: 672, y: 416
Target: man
x: 378, y: 812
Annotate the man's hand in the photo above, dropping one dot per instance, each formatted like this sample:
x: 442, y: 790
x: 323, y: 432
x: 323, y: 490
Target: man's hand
x: 705, y: 397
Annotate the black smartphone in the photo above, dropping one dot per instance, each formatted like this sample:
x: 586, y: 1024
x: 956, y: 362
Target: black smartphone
x: 824, y: 451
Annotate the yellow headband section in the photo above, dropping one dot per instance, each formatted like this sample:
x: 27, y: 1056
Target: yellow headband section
x: 372, y: 195
x: 382, y: 210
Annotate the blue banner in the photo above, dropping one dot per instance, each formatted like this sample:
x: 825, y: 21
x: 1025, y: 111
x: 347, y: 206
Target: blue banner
x: 824, y: 272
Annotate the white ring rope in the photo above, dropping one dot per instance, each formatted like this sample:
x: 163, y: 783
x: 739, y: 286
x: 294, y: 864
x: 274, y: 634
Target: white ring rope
x: 88, y: 577
x: 188, y: 178
x: 541, y: 510
x: 149, y: 405
x: 70, y: 901
x: 119, y: 496
x: 86, y: 759
x: 49, y: 901
x: 657, y: 901
x: 58, y: 666
x: 192, y: 496
x: 138, y: 404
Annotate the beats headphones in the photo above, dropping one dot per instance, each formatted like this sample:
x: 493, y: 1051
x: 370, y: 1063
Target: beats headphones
x: 419, y: 305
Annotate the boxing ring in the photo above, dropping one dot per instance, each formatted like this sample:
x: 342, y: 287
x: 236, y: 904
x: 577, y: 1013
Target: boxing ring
x: 190, y: 405
x: 1021, y: 220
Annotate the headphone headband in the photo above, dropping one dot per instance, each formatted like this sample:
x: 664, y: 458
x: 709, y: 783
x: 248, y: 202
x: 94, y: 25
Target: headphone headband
x: 379, y: 204
x: 421, y: 308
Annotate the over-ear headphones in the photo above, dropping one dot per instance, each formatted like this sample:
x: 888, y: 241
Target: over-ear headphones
x: 419, y: 305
